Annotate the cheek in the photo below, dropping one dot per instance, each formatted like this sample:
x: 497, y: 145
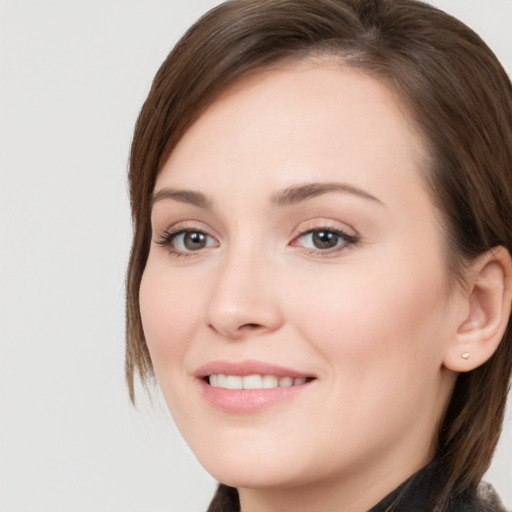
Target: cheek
x: 168, y: 317
x: 381, y: 334
x: 373, y: 318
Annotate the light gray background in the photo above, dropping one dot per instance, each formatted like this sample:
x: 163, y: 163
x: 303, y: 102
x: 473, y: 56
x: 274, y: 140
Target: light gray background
x: 73, y: 76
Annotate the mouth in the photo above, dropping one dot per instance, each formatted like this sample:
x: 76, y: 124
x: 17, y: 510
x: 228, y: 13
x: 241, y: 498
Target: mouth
x: 250, y: 386
x: 254, y: 381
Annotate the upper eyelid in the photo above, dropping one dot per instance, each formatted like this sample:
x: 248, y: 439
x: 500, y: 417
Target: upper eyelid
x: 327, y: 224
x: 176, y: 231
x: 184, y: 225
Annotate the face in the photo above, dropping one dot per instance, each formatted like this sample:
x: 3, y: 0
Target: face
x: 295, y: 302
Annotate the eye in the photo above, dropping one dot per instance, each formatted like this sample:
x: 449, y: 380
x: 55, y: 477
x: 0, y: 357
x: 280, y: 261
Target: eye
x: 324, y: 239
x: 185, y: 241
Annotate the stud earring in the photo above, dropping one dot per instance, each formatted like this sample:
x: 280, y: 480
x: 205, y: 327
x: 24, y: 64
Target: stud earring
x: 465, y: 355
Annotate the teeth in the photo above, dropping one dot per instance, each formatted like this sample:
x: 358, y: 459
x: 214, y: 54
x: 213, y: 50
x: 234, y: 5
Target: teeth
x: 253, y: 381
x: 285, y: 382
x: 233, y: 382
x: 269, y: 381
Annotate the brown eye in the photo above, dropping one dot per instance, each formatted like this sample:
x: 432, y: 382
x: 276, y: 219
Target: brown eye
x: 186, y: 241
x: 325, y: 239
x: 194, y: 240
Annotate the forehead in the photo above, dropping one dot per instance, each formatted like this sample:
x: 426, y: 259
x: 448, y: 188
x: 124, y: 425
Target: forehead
x: 298, y: 122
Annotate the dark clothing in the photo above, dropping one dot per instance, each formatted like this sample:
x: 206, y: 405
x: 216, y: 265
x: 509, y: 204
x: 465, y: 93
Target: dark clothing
x: 420, y: 493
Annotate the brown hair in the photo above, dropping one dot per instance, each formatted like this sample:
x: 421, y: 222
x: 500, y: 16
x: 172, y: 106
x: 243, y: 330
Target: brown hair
x: 454, y: 89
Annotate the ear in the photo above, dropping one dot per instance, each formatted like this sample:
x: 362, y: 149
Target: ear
x: 487, y: 308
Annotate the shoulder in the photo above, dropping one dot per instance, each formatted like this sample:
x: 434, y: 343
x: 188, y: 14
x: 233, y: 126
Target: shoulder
x: 427, y: 490
x: 483, y: 499
x: 489, y: 498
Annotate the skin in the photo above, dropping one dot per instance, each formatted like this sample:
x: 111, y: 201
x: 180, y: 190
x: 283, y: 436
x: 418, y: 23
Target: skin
x: 370, y: 319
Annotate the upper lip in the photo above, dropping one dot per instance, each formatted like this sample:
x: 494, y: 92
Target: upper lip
x: 247, y: 367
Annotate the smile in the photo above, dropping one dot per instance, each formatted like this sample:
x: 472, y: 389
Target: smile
x: 251, y: 386
x: 220, y: 380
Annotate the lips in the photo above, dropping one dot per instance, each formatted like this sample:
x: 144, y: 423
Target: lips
x: 247, y: 367
x: 249, y: 386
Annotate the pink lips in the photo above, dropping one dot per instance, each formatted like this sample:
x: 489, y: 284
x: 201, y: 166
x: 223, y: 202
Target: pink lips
x: 244, y: 401
x: 248, y: 367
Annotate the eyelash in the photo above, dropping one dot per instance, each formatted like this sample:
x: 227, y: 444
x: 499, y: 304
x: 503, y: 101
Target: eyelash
x: 170, y: 235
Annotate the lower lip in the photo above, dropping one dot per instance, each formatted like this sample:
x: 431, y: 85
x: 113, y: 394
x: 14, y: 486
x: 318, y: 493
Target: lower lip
x: 246, y: 401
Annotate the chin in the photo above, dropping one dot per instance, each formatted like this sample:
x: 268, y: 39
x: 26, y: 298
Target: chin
x: 249, y: 475
x: 257, y: 463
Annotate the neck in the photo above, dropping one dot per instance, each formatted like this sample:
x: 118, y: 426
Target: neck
x: 355, y: 492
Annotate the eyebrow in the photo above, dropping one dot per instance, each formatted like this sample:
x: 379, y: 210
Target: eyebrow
x: 183, y: 196
x: 298, y: 193
x: 287, y: 197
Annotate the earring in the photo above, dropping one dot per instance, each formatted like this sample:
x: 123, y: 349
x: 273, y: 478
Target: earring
x: 465, y: 355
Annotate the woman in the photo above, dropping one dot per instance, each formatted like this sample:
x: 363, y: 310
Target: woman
x: 320, y: 277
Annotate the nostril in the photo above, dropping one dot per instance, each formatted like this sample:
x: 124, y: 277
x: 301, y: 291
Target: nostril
x: 249, y: 327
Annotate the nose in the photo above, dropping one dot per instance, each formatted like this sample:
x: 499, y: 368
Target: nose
x: 245, y: 300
